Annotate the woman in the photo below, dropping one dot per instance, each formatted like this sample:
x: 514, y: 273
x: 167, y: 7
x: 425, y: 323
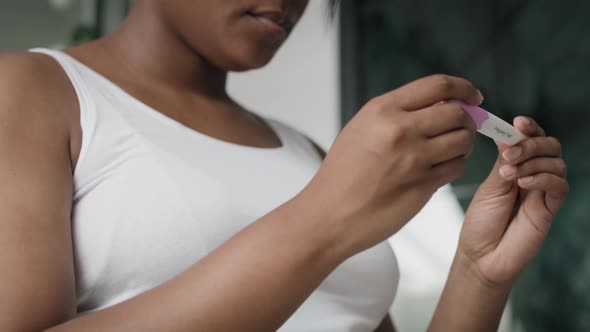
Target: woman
x: 123, y: 207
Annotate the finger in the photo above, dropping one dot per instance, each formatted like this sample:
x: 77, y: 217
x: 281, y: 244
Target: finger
x: 532, y: 147
x: 433, y: 89
x: 546, y: 182
x: 450, y: 145
x: 528, y: 126
x: 555, y: 187
x: 442, y: 118
x: 533, y: 166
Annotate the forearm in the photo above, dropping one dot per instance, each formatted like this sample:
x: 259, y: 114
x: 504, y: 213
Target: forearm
x: 468, y: 303
x: 253, y: 282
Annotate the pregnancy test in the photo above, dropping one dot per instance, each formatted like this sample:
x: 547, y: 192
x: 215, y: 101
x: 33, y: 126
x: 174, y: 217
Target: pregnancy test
x: 492, y: 126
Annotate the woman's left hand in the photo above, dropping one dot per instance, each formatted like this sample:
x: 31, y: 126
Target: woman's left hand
x: 513, y: 209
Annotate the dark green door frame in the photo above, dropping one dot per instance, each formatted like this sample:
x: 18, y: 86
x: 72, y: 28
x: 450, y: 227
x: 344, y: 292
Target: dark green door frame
x: 351, y: 67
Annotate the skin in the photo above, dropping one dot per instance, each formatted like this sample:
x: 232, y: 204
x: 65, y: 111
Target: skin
x: 174, y: 55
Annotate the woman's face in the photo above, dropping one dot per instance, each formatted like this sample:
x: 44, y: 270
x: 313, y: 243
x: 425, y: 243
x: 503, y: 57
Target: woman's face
x: 233, y: 35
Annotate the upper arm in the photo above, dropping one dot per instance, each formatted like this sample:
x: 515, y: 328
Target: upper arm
x: 37, y: 287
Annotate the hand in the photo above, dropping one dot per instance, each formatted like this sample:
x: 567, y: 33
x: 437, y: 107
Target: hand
x: 391, y: 157
x: 512, y: 211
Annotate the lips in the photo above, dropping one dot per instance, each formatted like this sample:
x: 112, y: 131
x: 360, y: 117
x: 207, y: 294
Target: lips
x: 274, y: 19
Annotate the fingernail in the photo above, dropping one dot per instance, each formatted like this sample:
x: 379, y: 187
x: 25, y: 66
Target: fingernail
x: 527, y: 121
x: 526, y: 180
x: 507, y: 170
x: 512, y: 153
x: 480, y: 95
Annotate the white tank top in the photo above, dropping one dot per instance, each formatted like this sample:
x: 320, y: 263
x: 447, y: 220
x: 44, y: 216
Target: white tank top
x: 152, y: 197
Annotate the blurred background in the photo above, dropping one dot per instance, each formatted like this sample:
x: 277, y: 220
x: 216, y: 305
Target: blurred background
x: 527, y: 56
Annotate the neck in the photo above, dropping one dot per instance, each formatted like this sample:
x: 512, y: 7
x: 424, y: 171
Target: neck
x: 150, y: 48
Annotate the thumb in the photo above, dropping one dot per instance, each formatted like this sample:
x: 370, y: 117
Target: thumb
x: 494, y: 201
x: 495, y: 185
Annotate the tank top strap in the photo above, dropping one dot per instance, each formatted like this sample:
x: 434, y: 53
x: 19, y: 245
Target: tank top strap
x: 86, y: 103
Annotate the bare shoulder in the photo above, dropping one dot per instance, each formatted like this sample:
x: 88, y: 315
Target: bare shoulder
x: 29, y: 68
x: 34, y: 85
x: 37, y: 97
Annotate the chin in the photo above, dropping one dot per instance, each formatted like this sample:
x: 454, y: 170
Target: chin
x: 249, y: 65
x: 249, y: 60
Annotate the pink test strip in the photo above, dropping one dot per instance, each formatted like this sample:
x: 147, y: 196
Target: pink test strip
x: 492, y: 126
x: 478, y: 114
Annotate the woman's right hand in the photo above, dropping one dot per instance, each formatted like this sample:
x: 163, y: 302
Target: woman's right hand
x: 390, y: 158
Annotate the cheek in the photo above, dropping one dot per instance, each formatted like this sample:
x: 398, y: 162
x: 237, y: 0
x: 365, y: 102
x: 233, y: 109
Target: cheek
x: 235, y: 43
x: 193, y: 20
x: 250, y: 34
x: 221, y: 32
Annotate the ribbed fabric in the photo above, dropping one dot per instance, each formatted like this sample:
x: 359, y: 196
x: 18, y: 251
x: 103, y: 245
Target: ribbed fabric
x: 152, y: 197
